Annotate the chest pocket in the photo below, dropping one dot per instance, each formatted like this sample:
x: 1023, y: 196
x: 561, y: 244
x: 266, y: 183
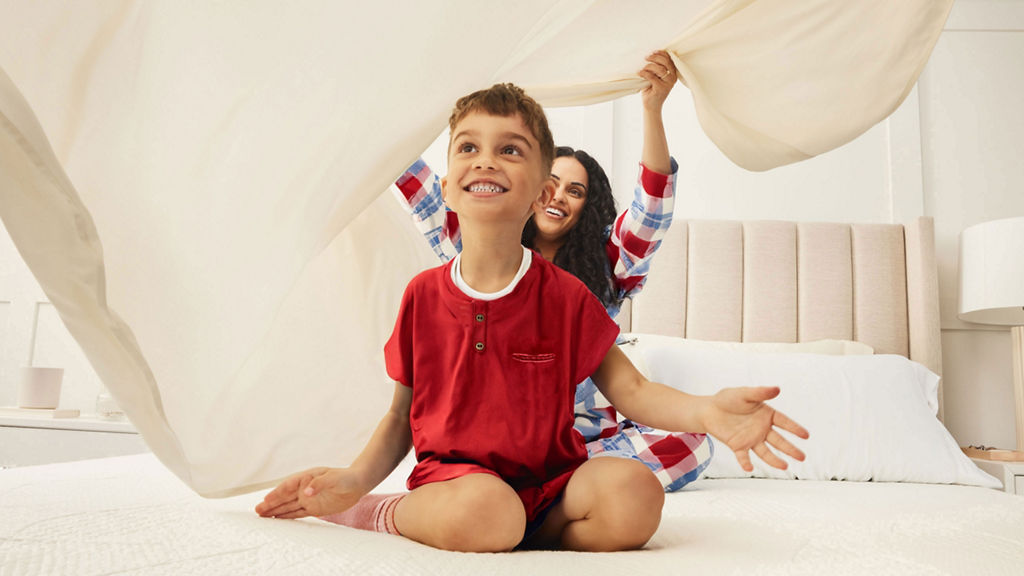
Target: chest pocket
x: 537, y: 376
x: 539, y: 358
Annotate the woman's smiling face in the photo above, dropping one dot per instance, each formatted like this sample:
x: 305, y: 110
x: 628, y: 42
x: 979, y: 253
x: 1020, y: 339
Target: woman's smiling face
x: 556, y: 218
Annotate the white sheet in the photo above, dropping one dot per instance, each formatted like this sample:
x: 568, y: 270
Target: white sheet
x: 131, y: 515
x: 197, y: 185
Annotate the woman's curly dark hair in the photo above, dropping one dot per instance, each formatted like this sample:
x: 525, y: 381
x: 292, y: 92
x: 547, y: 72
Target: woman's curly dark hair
x: 583, y: 254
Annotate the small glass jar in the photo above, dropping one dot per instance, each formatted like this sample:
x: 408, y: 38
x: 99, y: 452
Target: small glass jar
x: 107, y: 408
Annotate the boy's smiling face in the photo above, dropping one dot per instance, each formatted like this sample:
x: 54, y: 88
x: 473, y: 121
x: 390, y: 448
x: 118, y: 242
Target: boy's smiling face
x: 495, y: 170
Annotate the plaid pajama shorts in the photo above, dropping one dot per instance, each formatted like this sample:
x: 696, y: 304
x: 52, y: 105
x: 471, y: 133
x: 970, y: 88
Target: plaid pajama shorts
x: 676, y: 458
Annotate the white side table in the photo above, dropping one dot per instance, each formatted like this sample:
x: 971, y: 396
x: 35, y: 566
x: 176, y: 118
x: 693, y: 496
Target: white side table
x: 1011, y: 474
x: 29, y: 440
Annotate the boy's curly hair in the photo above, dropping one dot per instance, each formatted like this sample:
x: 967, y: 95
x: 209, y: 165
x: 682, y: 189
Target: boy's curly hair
x: 583, y: 254
x: 508, y: 100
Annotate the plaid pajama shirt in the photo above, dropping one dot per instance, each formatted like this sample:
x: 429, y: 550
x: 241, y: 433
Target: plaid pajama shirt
x: 675, y: 458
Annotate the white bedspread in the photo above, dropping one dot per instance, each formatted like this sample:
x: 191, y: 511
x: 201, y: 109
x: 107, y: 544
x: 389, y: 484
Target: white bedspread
x: 130, y: 515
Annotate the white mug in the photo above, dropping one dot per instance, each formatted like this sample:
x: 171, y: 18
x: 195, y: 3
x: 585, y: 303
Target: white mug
x: 39, y: 387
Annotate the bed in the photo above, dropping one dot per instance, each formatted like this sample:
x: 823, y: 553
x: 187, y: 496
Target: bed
x: 884, y: 490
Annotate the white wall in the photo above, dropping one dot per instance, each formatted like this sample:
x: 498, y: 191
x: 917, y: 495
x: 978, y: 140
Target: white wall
x: 951, y: 152
x: 972, y: 118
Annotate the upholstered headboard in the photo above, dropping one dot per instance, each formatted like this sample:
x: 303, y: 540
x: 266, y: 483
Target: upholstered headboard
x: 770, y: 281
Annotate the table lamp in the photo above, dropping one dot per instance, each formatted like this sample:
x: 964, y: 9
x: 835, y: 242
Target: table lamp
x: 992, y: 292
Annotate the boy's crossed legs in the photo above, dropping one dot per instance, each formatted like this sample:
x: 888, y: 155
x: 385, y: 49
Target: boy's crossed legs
x: 471, y: 513
x: 608, y: 504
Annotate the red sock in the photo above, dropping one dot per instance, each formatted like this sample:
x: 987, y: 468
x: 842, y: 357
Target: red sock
x: 375, y: 512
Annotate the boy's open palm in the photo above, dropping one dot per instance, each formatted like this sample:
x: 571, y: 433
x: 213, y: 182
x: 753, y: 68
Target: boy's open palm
x: 315, y: 492
x: 740, y: 418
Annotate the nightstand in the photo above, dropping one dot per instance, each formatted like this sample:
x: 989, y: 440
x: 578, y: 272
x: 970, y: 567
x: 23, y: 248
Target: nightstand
x: 1011, y: 474
x: 28, y: 440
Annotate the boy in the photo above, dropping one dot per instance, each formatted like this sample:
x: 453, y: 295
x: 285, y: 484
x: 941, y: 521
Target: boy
x: 489, y: 406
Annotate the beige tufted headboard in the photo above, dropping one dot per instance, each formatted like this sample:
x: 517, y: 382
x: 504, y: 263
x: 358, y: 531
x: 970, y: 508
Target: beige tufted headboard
x: 770, y: 281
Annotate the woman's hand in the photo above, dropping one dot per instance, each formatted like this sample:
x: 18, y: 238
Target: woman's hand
x: 315, y: 492
x: 661, y: 73
x: 740, y: 418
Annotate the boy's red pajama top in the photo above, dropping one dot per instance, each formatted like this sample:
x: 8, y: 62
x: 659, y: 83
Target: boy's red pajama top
x: 493, y: 382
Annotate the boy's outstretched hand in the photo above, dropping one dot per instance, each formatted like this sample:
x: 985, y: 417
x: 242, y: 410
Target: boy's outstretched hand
x: 315, y: 492
x: 740, y: 418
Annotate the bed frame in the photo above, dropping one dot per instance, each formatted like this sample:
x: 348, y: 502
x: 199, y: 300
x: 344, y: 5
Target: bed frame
x: 773, y: 281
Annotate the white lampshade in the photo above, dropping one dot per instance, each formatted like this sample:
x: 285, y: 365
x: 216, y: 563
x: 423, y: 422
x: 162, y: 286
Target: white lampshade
x: 992, y: 272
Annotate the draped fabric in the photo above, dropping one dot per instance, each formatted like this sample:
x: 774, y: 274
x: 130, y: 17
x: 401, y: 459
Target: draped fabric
x: 199, y: 186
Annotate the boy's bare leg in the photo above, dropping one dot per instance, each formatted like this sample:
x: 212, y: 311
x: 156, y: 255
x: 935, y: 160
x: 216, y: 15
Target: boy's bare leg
x: 609, y: 504
x: 473, y: 513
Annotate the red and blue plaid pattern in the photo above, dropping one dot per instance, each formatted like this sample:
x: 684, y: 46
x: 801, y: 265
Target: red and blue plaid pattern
x: 421, y: 190
x: 675, y: 458
x: 637, y: 233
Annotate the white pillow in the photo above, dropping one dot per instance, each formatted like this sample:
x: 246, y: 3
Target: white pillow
x: 870, y: 417
x: 636, y: 342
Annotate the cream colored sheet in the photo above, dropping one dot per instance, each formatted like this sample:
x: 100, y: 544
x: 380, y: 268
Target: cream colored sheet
x: 197, y: 186
x: 129, y: 515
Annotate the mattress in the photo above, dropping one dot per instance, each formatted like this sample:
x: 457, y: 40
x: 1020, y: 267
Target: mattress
x: 129, y: 515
